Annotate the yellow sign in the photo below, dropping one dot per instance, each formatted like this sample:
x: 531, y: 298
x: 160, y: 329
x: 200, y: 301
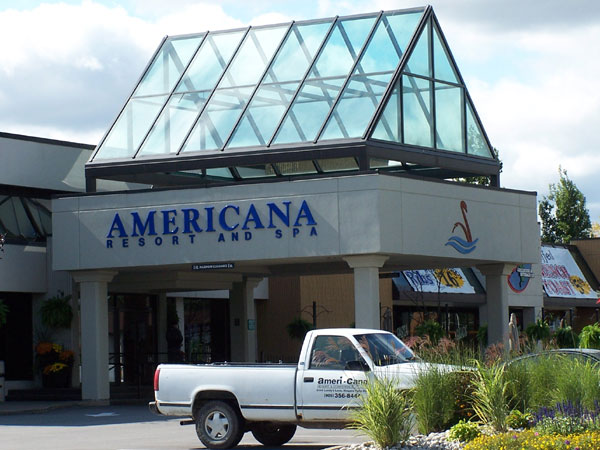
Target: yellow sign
x: 449, y: 277
x: 580, y: 285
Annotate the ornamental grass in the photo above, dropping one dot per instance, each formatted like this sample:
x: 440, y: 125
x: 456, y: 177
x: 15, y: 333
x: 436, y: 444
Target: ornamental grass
x: 579, y: 382
x: 384, y: 413
x: 434, y: 399
x: 490, y: 395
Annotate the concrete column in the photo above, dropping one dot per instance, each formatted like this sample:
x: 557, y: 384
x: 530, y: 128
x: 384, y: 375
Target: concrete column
x: 530, y: 315
x: 162, y: 327
x: 242, y: 312
x: 179, y: 307
x: 366, y: 289
x: 75, y: 335
x: 483, y: 315
x: 93, y: 288
x: 497, y: 301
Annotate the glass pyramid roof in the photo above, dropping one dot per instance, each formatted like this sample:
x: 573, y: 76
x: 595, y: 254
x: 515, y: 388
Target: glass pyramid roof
x: 385, y: 79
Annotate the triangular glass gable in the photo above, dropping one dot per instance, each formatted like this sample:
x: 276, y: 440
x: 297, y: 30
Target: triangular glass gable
x: 150, y: 95
x: 443, y: 67
x: 301, y: 83
x: 277, y: 90
x: 429, y: 105
x: 371, y: 76
x: 325, y: 80
x: 235, y: 89
x: 192, y: 92
x: 476, y: 141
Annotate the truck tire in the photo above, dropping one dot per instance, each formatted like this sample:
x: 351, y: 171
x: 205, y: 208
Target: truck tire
x: 218, y: 425
x: 273, y: 434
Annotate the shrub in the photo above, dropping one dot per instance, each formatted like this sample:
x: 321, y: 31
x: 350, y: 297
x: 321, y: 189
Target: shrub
x: 590, y: 336
x: 482, y: 335
x: 538, y: 331
x: 517, y: 419
x: 464, y: 431
x: 489, y: 397
x: 432, y: 329
x: 566, y: 338
x: 494, y: 354
x: 384, y: 413
x: 298, y: 328
x: 463, y: 409
x: 534, y: 440
x: 445, y: 351
x: 434, y: 397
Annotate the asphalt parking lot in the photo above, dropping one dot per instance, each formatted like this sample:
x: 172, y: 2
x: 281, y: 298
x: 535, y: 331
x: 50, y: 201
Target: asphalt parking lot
x: 128, y: 427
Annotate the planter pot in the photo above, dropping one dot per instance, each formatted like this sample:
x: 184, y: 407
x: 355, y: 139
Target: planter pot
x: 61, y: 379
x: 2, y: 381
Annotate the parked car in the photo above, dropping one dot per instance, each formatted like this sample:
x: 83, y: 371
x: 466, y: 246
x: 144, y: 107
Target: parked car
x: 582, y: 354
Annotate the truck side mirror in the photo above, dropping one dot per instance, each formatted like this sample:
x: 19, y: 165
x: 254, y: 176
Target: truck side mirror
x: 357, y: 365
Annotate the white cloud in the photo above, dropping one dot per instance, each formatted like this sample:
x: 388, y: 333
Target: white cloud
x: 196, y: 18
x: 534, y: 90
x: 66, y: 70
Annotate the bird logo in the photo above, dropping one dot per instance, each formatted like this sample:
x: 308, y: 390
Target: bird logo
x: 466, y: 245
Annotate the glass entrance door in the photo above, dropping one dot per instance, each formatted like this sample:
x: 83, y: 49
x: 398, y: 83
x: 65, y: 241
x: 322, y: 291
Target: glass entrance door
x: 133, y: 338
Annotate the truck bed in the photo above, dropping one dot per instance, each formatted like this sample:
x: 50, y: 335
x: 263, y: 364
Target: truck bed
x: 263, y: 390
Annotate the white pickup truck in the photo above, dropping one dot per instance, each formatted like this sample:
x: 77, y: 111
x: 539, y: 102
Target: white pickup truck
x: 224, y: 400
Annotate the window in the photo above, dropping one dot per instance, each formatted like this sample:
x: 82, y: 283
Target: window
x: 333, y: 353
x: 385, y: 349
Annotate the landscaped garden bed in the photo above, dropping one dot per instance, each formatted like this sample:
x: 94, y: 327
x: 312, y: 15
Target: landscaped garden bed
x: 497, y: 401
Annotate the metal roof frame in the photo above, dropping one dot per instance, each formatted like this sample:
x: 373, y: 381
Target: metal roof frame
x: 164, y: 169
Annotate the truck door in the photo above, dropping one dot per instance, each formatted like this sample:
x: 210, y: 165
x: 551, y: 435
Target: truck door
x: 333, y: 381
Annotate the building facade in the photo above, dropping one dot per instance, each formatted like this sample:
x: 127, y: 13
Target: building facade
x: 280, y: 172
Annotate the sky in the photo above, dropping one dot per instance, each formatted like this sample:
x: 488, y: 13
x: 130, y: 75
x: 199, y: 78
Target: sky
x: 531, y: 67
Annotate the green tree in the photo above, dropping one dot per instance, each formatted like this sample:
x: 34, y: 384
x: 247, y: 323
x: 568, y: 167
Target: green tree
x: 563, y: 212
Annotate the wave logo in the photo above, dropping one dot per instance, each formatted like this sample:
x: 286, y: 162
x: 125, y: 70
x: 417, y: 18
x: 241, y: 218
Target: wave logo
x: 466, y: 245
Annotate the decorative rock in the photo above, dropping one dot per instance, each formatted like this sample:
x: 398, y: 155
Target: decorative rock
x: 433, y: 441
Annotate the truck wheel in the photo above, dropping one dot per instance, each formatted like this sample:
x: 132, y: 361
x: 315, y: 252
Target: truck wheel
x: 272, y: 434
x: 218, y: 425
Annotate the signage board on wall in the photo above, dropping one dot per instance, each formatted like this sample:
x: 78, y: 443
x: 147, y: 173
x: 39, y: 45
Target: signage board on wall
x: 213, y: 266
x: 444, y: 281
x: 519, y: 278
x: 561, y: 276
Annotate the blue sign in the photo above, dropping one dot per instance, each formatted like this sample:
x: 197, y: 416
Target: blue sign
x: 229, y: 223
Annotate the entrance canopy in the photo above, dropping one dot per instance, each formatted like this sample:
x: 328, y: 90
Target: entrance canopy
x: 356, y: 93
x: 297, y: 226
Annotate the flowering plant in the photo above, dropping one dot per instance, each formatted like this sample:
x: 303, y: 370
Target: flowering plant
x: 54, y: 368
x: 53, y: 358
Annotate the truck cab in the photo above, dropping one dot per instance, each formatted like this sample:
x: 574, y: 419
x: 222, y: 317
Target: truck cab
x: 335, y: 365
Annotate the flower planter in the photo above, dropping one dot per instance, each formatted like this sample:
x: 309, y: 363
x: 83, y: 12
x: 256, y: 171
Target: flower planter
x: 60, y: 379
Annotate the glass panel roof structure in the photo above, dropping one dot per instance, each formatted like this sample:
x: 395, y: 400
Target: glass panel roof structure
x: 320, y: 96
x: 24, y: 219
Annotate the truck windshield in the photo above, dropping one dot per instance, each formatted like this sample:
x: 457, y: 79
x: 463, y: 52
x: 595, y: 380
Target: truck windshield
x: 385, y: 349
